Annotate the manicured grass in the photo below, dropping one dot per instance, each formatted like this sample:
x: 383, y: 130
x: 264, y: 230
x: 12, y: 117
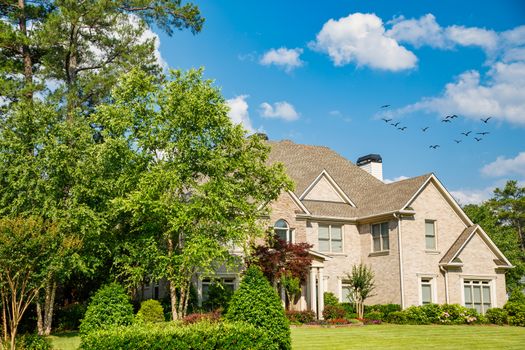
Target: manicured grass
x: 409, y: 337
x: 65, y: 341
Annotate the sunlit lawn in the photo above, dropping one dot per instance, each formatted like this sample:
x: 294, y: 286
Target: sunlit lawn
x: 383, y: 337
x: 409, y: 337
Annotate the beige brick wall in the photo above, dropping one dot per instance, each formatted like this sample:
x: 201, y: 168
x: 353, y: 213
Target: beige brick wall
x: 285, y: 208
x: 324, y: 191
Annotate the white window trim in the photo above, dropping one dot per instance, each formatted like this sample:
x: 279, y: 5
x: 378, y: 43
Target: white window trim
x: 435, y: 235
x: 433, y: 286
x: 330, y: 237
x: 218, y: 276
x: 290, y: 232
x: 380, y: 238
x: 492, y: 285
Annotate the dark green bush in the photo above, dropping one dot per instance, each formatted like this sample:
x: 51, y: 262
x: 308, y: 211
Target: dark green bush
x: 398, y: 317
x: 333, y: 312
x: 169, y: 335
x: 151, y: 311
x: 416, y: 315
x: 109, y: 307
x: 33, y: 342
x: 433, y: 312
x: 330, y: 299
x: 384, y: 309
x: 257, y: 303
x: 68, y: 317
x: 517, y: 296
x: 374, y: 316
x: 516, y: 313
x: 218, y: 297
x: 300, y: 316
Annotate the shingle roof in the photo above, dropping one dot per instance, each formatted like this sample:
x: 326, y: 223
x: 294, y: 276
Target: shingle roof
x: 303, y: 163
x: 456, y: 246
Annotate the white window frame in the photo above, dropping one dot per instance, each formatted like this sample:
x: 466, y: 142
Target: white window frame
x: 203, y: 280
x: 434, y: 222
x: 290, y: 236
x: 381, y: 248
x: 342, y: 284
x: 330, y: 238
x: 433, y: 287
x: 490, y: 281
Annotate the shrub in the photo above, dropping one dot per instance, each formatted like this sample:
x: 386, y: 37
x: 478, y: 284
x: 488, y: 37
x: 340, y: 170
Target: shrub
x: 336, y: 321
x: 300, y: 316
x: 151, y: 311
x: 257, y: 303
x: 68, y: 317
x: 331, y: 312
x: 218, y: 297
x: 330, y: 299
x: 349, y: 308
x: 398, y: 317
x: 199, y: 317
x: 33, y: 342
x: 433, y: 312
x: 516, y: 313
x: 457, y: 314
x: 110, y: 306
x: 374, y: 316
x: 169, y: 335
x: 416, y: 315
x: 517, y: 296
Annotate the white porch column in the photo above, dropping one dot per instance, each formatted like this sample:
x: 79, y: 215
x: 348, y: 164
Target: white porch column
x: 320, y: 293
x: 313, y: 294
x: 283, y: 296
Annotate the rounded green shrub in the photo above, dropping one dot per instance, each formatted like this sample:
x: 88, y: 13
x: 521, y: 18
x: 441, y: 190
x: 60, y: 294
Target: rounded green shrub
x: 517, y: 296
x: 415, y: 315
x: 33, y: 342
x: 397, y: 317
x: 433, y: 312
x: 109, y: 307
x: 516, y: 313
x: 300, y: 317
x: 257, y: 303
x: 374, y: 316
x: 333, y: 312
x: 330, y: 299
x: 151, y: 311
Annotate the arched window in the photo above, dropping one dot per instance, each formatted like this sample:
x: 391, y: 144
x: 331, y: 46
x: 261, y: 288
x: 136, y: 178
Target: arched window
x: 282, y: 230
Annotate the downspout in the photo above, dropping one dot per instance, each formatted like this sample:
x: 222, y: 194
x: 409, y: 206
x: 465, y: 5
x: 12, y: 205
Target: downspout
x: 445, y: 271
x: 400, y: 248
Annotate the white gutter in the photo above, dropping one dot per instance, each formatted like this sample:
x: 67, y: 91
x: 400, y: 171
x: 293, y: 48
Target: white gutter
x: 356, y: 218
x: 446, y: 283
x: 400, y: 248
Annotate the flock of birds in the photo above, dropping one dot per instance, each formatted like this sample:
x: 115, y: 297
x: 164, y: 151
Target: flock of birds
x: 446, y: 119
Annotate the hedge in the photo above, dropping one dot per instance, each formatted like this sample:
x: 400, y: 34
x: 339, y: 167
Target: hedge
x: 169, y: 335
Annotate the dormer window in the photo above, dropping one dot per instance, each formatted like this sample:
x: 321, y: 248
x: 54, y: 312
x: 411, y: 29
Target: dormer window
x: 282, y: 230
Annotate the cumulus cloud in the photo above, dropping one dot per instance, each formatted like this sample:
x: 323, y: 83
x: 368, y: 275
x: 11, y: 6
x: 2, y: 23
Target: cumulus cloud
x: 279, y: 110
x: 238, y: 112
x: 503, y: 166
x: 472, y: 196
x: 360, y: 38
x: 396, y: 179
x: 418, y: 32
x: 500, y: 95
x: 287, y: 59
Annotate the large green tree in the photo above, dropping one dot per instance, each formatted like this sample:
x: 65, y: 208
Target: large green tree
x: 205, y: 185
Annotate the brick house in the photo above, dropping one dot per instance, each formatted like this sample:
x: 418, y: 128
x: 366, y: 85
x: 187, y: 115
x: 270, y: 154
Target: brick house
x: 420, y: 244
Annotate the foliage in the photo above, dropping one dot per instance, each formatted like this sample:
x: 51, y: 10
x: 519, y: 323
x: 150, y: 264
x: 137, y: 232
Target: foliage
x: 331, y: 312
x: 257, y: 303
x: 374, y: 316
x: 203, y: 335
x: 330, y: 299
x: 109, y: 307
x: 361, y: 285
x: 306, y: 316
x: 33, y: 342
x: 69, y: 316
x: 497, y: 316
x: 397, y: 317
x: 416, y: 315
x: 517, y: 296
x: 211, y: 317
x: 436, y: 314
x: 516, y: 313
x: 292, y: 288
x: 218, y: 297
x: 385, y: 309
x: 151, y: 311
x: 433, y: 312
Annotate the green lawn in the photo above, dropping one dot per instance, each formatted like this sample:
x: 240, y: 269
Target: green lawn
x: 383, y: 337
x: 409, y: 337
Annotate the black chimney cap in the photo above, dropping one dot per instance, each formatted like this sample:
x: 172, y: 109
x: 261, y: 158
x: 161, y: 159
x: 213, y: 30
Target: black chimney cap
x: 376, y: 158
x: 262, y: 135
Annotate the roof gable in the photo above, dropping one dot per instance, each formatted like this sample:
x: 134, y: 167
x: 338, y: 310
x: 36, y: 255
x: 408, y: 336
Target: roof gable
x: 325, y: 189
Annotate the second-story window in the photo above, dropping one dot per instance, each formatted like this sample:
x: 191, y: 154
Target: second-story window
x: 380, y: 237
x: 330, y: 238
x: 282, y: 230
x: 430, y: 234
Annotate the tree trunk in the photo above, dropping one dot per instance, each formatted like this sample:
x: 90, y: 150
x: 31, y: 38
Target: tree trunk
x: 4, y: 317
x: 180, y: 308
x: 26, y: 55
x: 39, y: 320
x: 49, y: 306
x: 173, y: 298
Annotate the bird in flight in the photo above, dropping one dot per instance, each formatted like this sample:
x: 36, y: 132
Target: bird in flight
x: 445, y: 120
x: 485, y: 120
x: 425, y: 128
x: 385, y: 106
x: 386, y: 120
x: 466, y: 133
x: 478, y: 139
x: 483, y: 133
x: 433, y: 146
x: 402, y: 129
x: 457, y: 141
x: 396, y: 124
x: 452, y: 116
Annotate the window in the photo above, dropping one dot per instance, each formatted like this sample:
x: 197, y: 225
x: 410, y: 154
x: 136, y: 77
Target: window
x: 430, y: 234
x: 345, y: 292
x: 380, y: 237
x: 227, y: 283
x: 330, y: 238
x: 477, y: 295
x: 426, y: 291
x: 282, y: 230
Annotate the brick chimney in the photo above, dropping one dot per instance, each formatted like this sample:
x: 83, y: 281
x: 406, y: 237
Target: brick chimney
x: 373, y: 164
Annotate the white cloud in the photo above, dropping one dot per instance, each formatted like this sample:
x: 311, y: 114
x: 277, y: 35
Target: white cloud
x: 506, y: 166
x: 399, y: 178
x: 238, y: 112
x: 500, y: 95
x: 472, y: 196
x: 360, y: 38
x: 472, y: 36
x: 418, y: 32
x: 287, y: 59
x: 279, y: 110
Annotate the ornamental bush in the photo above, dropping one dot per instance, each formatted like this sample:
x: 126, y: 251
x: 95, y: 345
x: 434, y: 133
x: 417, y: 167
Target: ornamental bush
x: 151, y: 311
x: 169, y: 335
x: 330, y: 299
x: 33, y: 342
x: 416, y: 315
x: 109, y: 307
x: 332, y: 312
x: 257, y: 303
x: 516, y: 313
x: 433, y: 312
x: 397, y: 317
x: 374, y: 317
x: 300, y: 317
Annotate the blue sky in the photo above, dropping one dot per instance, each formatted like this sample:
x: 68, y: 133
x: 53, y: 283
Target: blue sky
x: 317, y: 72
